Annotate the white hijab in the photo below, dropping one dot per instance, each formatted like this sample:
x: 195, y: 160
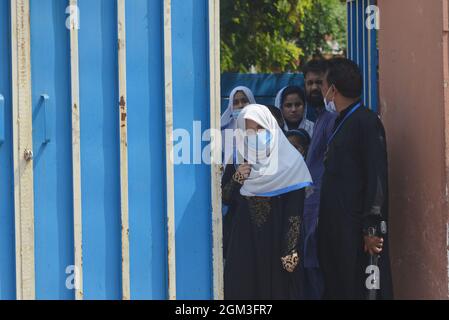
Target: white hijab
x: 227, y: 121
x: 305, y: 124
x: 279, y: 171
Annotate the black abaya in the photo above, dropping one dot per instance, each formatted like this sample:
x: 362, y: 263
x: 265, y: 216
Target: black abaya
x: 258, y: 231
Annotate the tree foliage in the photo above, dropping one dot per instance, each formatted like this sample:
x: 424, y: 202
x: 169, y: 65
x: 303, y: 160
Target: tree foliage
x: 277, y: 35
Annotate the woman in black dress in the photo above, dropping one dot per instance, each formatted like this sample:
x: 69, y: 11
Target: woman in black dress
x: 265, y: 195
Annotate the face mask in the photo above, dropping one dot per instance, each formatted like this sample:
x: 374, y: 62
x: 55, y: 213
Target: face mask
x: 259, y: 141
x: 330, y: 105
x: 236, y: 113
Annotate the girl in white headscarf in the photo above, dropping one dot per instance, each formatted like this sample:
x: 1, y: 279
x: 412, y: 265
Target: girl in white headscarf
x: 265, y: 192
x: 292, y: 102
x: 239, y: 98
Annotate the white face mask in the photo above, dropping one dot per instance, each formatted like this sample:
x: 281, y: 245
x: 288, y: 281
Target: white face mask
x: 258, y: 148
x: 330, y: 105
x: 259, y: 141
x: 236, y: 113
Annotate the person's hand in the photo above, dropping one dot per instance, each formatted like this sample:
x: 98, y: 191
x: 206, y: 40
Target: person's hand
x: 373, y: 245
x: 244, y: 169
x: 242, y: 173
x: 290, y: 262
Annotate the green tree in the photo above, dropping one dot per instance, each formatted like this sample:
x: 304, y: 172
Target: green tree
x: 276, y: 35
x: 326, y: 18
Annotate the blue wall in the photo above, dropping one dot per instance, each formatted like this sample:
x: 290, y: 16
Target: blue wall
x: 192, y: 182
x: 100, y: 167
x: 146, y: 133
x: 264, y: 86
x: 50, y: 60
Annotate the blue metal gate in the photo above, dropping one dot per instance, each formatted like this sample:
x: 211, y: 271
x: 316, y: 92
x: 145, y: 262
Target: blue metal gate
x: 363, y: 19
x: 91, y: 205
x: 99, y: 211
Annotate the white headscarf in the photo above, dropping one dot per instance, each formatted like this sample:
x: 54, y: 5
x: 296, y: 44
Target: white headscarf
x: 227, y: 121
x: 305, y: 123
x: 278, y: 171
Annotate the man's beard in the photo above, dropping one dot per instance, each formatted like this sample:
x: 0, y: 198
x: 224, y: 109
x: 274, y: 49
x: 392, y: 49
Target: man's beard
x: 315, y: 100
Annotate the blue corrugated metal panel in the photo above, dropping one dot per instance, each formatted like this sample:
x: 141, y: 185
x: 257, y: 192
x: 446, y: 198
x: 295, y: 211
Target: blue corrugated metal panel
x: 50, y: 60
x: 100, y: 150
x: 192, y: 182
x: 100, y: 165
x: 361, y: 58
x: 7, y: 249
x: 146, y: 133
x: 362, y: 48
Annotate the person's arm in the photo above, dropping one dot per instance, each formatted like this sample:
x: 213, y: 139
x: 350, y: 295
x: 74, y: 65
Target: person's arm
x: 374, y: 158
x: 232, y: 181
x: 292, y: 215
x: 330, y: 126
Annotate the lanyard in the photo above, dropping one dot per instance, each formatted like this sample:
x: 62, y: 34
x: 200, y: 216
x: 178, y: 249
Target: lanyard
x: 343, y: 121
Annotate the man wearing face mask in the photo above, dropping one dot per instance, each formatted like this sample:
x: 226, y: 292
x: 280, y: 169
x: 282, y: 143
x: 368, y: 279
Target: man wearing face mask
x: 312, y: 278
x: 352, y: 227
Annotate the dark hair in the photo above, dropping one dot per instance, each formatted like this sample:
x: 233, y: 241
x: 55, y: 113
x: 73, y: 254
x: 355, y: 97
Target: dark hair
x: 293, y: 90
x: 315, y: 66
x: 345, y: 75
x: 277, y: 114
x: 302, y: 134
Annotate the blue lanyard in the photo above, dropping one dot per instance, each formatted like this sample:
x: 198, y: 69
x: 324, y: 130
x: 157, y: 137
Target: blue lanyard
x: 343, y: 121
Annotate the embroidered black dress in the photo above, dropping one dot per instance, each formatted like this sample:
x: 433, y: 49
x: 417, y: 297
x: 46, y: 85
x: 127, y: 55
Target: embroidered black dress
x: 258, y: 231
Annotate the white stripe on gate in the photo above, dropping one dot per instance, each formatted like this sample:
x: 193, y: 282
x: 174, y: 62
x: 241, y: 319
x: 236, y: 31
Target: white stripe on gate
x: 76, y: 147
x: 215, y: 100
x: 23, y: 146
x: 168, y: 67
x: 121, y: 25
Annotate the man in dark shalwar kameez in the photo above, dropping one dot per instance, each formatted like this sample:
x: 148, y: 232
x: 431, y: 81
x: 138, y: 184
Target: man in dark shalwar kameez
x: 352, y: 227
x: 312, y: 282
